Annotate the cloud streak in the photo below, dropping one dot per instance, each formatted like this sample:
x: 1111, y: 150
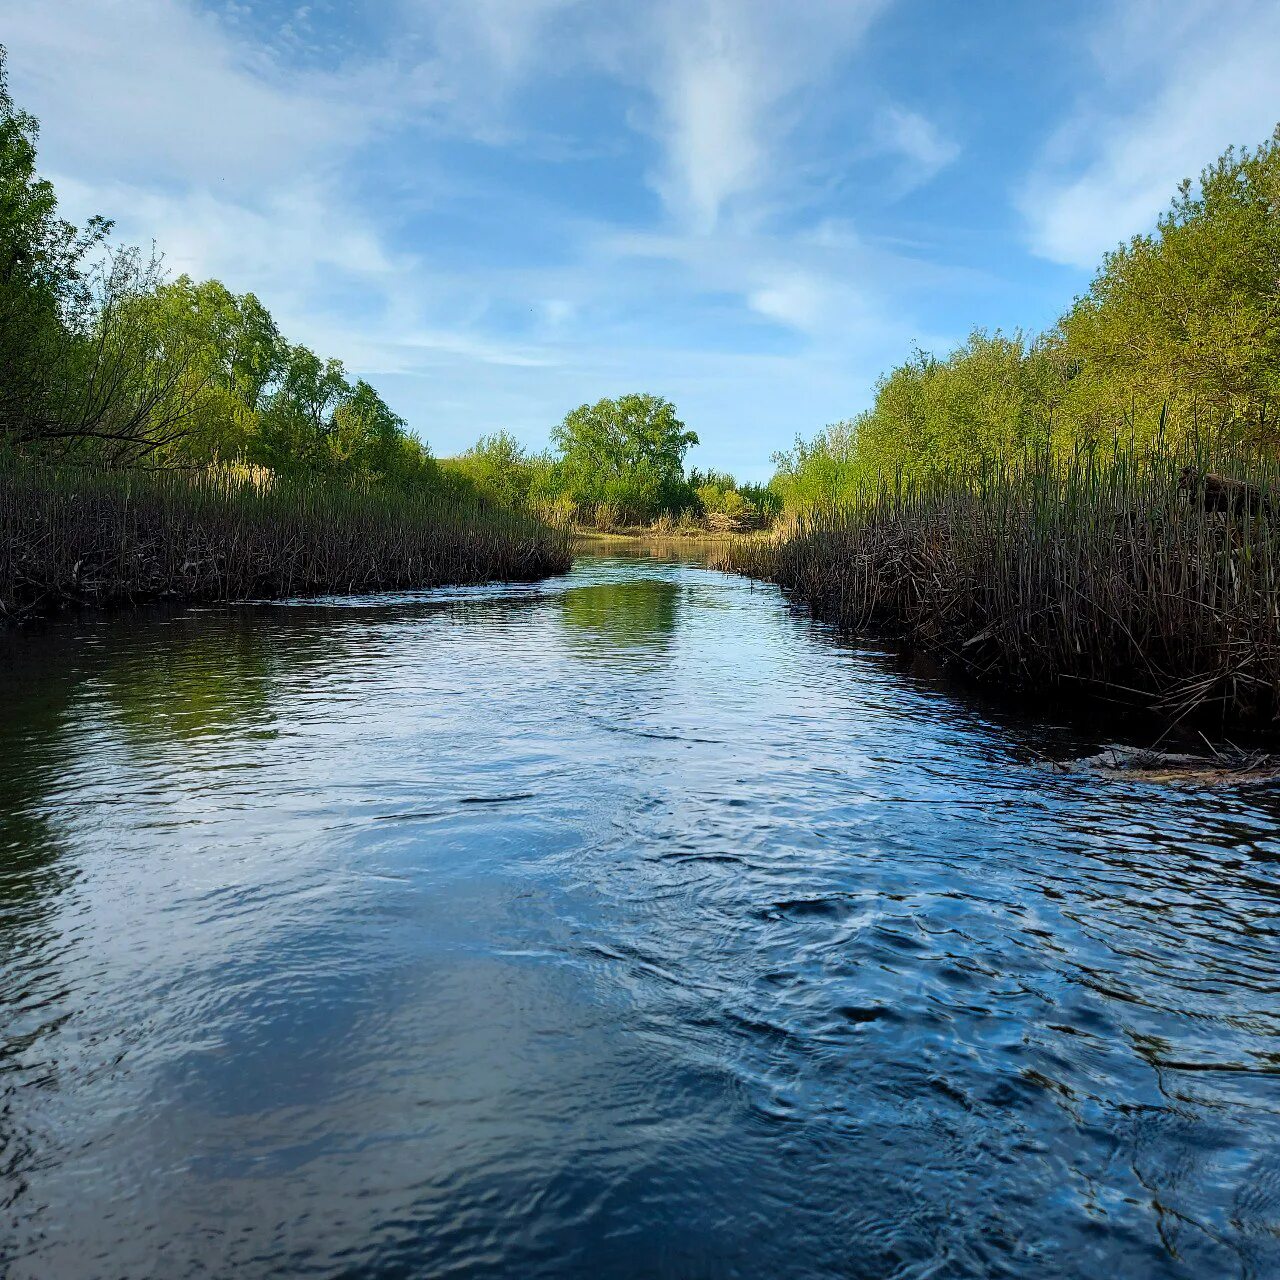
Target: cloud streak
x: 1176, y: 83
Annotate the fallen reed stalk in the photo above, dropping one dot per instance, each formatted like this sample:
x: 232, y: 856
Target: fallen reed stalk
x: 81, y: 536
x: 1119, y: 577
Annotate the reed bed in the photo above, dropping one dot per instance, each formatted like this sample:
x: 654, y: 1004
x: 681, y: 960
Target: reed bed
x: 1114, y: 577
x: 80, y: 536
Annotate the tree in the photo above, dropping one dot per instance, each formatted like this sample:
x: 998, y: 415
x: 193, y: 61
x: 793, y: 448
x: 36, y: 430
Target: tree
x: 990, y: 399
x: 498, y: 467
x: 233, y: 353
x: 626, y: 453
x: 297, y: 416
x: 1189, y: 316
x: 43, y: 279
x: 366, y: 438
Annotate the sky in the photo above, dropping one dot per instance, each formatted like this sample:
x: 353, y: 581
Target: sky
x: 496, y: 210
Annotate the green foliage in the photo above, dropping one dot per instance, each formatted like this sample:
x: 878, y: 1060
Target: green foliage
x: 764, y: 498
x: 499, y: 467
x: 1178, y: 336
x: 42, y: 278
x: 105, y: 360
x: 820, y: 472
x: 1189, y: 315
x: 626, y: 455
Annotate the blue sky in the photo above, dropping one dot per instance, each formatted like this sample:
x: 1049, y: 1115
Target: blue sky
x: 499, y: 209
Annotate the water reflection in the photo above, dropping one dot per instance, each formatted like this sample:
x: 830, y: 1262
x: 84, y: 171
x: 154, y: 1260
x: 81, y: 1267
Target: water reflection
x: 621, y: 925
x: 614, y: 619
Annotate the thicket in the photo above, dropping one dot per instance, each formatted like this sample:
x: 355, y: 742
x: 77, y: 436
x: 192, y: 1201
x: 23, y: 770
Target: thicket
x: 1126, y: 576
x: 1177, y: 339
x: 614, y: 463
x: 78, y: 535
x: 1096, y: 509
x: 109, y: 362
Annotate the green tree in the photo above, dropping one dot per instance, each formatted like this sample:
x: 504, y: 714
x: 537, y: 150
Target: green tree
x: 368, y: 439
x: 627, y: 454
x: 820, y: 472
x: 297, y: 417
x: 989, y: 399
x: 43, y: 281
x: 1188, y: 315
x: 499, y: 467
x: 233, y: 354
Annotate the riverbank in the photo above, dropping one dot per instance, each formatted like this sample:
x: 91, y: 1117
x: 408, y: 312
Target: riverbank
x: 73, y: 537
x: 1128, y: 583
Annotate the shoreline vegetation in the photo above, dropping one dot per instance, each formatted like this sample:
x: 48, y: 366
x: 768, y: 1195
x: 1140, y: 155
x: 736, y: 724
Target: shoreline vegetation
x: 1045, y: 511
x: 1135, y: 581
x: 76, y: 536
x: 161, y: 438
x: 1090, y: 513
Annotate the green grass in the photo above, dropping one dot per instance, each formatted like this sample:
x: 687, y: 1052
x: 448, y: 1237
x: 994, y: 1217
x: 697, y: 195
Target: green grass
x: 85, y: 536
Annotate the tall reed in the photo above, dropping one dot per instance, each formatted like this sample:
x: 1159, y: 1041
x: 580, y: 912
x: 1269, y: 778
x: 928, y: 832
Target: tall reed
x: 1106, y: 575
x: 71, y: 535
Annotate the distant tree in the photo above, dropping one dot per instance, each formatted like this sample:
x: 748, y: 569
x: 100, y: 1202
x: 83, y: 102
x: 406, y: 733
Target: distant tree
x: 819, y: 472
x: 627, y: 454
x: 499, y: 467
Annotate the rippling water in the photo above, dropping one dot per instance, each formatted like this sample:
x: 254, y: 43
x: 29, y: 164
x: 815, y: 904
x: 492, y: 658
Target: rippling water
x: 621, y: 925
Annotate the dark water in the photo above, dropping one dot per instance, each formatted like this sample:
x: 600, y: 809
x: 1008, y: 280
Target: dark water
x: 625, y: 925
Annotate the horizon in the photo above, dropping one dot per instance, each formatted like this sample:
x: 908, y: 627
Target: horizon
x: 497, y: 211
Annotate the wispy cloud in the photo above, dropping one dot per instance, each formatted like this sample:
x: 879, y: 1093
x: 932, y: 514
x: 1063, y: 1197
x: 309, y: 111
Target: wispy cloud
x: 411, y: 197
x: 1175, y: 84
x: 727, y: 78
x: 923, y: 148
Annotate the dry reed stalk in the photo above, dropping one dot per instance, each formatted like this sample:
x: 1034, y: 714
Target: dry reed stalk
x: 1060, y: 574
x: 72, y: 536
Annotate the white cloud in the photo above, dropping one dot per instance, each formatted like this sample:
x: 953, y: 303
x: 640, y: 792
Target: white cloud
x: 925, y: 151
x: 726, y: 77
x: 156, y: 90
x: 1177, y: 83
x: 241, y: 164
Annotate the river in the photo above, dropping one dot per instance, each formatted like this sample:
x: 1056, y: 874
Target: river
x: 623, y: 925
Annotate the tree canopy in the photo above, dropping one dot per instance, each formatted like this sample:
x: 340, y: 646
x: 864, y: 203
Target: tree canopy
x: 626, y: 453
x: 105, y: 358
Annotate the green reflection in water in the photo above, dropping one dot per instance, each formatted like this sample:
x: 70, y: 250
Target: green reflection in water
x: 198, y: 680
x: 639, y: 615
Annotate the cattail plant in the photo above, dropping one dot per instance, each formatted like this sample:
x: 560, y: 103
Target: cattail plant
x: 81, y: 535
x: 1149, y: 579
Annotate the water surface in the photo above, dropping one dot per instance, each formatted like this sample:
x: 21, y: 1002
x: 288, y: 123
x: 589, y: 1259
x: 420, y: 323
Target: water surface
x: 624, y: 925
